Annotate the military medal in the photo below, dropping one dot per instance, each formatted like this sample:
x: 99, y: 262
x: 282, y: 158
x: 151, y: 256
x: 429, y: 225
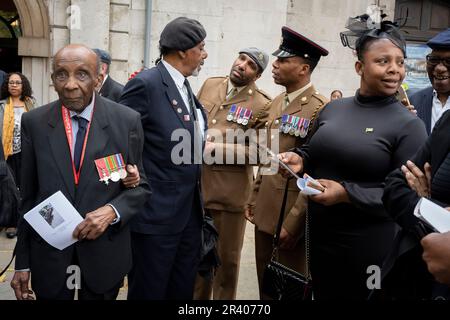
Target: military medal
x: 241, y: 115
x: 287, y: 126
x: 236, y: 114
x: 295, y: 121
x: 122, y: 172
x: 231, y: 112
x: 103, y: 173
x: 283, y: 122
x: 304, y: 131
x: 113, y: 165
x: 247, y: 116
x: 112, y: 168
x: 300, y: 124
x: 115, y: 176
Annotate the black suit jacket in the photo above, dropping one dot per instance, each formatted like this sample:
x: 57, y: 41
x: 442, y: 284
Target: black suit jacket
x: 47, y: 168
x: 423, y: 102
x: 405, y: 262
x: 111, y: 89
x: 154, y: 94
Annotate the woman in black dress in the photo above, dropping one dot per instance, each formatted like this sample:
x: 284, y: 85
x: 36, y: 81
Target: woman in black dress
x: 358, y: 141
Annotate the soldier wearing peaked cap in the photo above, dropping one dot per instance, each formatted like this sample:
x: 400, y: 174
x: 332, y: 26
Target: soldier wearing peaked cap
x: 167, y: 235
x: 292, y: 115
x: 232, y: 103
x: 433, y: 101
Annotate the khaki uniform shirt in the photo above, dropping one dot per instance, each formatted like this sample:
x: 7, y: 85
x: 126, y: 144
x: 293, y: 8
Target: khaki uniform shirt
x: 267, y: 194
x: 227, y: 186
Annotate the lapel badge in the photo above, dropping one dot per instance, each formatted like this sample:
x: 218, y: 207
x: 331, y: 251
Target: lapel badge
x: 304, y: 99
x: 174, y: 102
x: 187, y: 117
x: 369, y: 130
x: 179, y: 110
x: 250, y: 91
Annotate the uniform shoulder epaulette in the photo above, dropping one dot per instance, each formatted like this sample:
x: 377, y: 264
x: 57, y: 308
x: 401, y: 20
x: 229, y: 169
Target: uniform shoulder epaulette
x: 218, y: 77
x: 265, y: 94
x: 320, y: 97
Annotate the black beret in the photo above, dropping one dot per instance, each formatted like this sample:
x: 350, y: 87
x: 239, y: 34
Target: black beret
x: 182, y: 34
x: 440, y: 41
x: 295, y: 44
x: 104, y: 56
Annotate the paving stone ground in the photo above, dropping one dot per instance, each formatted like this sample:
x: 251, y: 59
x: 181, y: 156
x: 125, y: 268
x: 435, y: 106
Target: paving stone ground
x: 247, y: 286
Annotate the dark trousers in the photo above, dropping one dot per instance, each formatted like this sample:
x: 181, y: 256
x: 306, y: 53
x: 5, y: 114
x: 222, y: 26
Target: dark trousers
x: 84, y: 293
x: 165, y: 266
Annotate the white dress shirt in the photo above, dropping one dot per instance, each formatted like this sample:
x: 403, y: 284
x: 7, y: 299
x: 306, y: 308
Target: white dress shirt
x: 437, y: 109
x: 179, y: 78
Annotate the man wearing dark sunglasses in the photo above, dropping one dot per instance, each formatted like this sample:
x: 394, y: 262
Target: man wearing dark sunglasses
x: 433, y: 101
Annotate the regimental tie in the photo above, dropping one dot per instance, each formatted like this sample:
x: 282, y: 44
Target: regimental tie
x: 285, y: 101
x: 82, y: 126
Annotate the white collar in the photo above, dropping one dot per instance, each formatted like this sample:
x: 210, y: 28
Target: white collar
x: 176, y: 75
x: 87, y: 112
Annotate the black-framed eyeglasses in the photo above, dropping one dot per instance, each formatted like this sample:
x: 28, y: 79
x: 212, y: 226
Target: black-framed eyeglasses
x: 17, y: 83
x: 434, y: 61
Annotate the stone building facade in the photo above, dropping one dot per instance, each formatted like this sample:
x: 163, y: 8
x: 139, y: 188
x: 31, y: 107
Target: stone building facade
x: 124, y: 27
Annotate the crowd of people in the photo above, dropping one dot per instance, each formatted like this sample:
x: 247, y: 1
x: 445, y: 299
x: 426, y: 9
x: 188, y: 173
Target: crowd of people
x: 145, y: 218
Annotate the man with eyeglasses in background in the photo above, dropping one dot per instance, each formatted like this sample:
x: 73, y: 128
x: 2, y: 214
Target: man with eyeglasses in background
x: 433, y: 101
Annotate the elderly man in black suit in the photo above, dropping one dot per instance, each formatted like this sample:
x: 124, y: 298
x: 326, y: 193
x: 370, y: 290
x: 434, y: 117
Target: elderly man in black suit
x: 109, y: 88
x: 60, y: 143
x: 433, y: 101
x: 166, y: 235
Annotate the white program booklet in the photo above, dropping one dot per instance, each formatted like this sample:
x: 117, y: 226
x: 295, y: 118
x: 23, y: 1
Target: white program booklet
x: 54, y: 219
x: 306, y: 184
x: 433, y: 215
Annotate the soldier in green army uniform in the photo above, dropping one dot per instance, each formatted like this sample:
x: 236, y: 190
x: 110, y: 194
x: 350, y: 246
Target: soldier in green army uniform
x: 292, y: 115
x: 232, y: 103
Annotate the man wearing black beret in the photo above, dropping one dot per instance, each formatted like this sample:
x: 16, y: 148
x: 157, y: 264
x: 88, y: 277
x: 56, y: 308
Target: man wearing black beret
x: 109, y: 88
x: 433, y: 101
x: 166, y: 236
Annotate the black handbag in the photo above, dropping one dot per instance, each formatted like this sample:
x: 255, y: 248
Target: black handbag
x: 281, y: 282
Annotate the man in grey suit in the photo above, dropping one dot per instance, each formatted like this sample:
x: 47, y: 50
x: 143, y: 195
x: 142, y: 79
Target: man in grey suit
x: 60, y: 143
x: 433, y: 101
